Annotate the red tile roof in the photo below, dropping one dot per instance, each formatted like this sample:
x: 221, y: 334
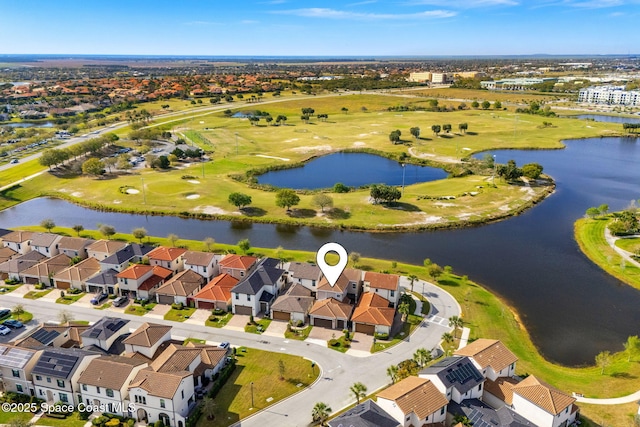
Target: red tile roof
x: 373, y: 310
x: 382, y: 280
x: 219, y: 289
x: 238, y: 262
x: 163, y: 253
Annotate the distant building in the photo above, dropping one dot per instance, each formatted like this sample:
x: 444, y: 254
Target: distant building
x: 610, y: 95
x: 420, y: 77
x: 520, y: 83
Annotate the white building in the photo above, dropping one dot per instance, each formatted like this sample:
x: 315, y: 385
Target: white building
x: 414, y: 402
x: 491, y: 358
x: 610, y: 95
x: 542, y: 404
x: 16, y: 365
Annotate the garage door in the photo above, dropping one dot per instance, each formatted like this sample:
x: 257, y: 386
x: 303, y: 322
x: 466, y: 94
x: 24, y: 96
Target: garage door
x: 205, y: 305
x: 165, y: 299
x: 63, y: 285
x: 281, y: 315
x: 31, y: 281
x: 341, y: 324
x: 365, y: 329
x: 242, y: 309
x: 323, y: 323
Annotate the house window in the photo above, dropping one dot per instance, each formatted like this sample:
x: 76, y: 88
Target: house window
x: 353, y: 285
x: 248, y: 297
x: 162, y: 405
x: 140, y: 399
x: 242, y: 274
x: 98, y: 390
x: 84, y: 387
x: 313, y: 283
x: 48, y: 379
x: 409, y: 418
x: 182, y: 393
x: 442, y: 410
x: 38, y: 377
x: 479, y: 387
x: 392, y: 293
x: 60, y: 383
x: 237, y: 296
x: 109, y: 392
x: 41, y: 393
x: 18, y: 246
x: 204, y: 269
x: 63, y: 397
x: 15, y: 373
x: 19, y: 388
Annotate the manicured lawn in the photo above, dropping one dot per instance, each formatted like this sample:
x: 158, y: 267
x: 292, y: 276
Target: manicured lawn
x: 179, y: 315
x: 629, y: 244
x: 24, y: 317
x: 6, y: 417
x: 139, y: 310
x: 5, y: 289
x: 298, y: 334
x: 69, y: 298
x: 104, y: 306
x: 262, y: 369
x: 412, y: 322
x: 36, y: 294
x: 72, y: 420
x: 426, y: 306
x: 341, y: 344
x: 220, y: 320
x: 260, y: 326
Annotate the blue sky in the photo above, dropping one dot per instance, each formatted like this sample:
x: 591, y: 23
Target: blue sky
x: 287, y: 27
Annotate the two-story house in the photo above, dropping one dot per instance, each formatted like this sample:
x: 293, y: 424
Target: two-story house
x: 542, y: 404
x: 491, y: 357
x: 237, y: 266
x: 256, y: 292
x: 202, y: 360
x: 179, y: 288
x: 330, y: 313
x: 16, y: 365
x: 119, y: 261
x: 141, y: 281
x: 104, y: 333
x: 46, y: 243
x: 203, y: 263
x: 294, y: 305
x: 105, y: 281
x: 147, y: 339
x: 385, y: 285
x: 56, y: 373
x: 456, y: 378
x: 74, y: 247
x: 102, y: 249
x: 19, y: 241
x: 76, y: 275
x: 171, y: 258
x: 414, y: 401
x: 216, y: 294
x: 44, y: 271
x: 106, y: 380
x: 13, y: 268
x: 305, y: 274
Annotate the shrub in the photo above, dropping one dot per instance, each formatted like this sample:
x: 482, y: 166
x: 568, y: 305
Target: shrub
x: 177, y: 306
x: 299, y: 323
x: 334, y: 342
x: 158, y: 423
x: 382, y: 336
x: 114, y: 422
x: 218, y: 312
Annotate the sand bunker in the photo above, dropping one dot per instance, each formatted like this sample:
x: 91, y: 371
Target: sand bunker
x: 211, y: 210
x: 193, y: 181
x: 193, y: 196
x: 76, y: 194
x: 132, y: 191
x: 292, y: 140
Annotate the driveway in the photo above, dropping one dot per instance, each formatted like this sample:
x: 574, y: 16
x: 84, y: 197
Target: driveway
x: 320, y: 336
x: 360, y: 345
x: 276, y: 328
x: 198, y: 317
x: 237, y: 322
x: 22, y: 290
x: 158, y: 311
x: 85, y: 301
x: 51, y: 296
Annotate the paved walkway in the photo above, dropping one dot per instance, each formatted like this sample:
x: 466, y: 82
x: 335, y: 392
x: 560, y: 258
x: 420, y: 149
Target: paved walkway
x: 464, y: 338
x: 611, y: 239
x: 613, y: 401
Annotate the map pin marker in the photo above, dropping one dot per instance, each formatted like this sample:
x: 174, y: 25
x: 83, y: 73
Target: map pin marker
x: 332, y: 272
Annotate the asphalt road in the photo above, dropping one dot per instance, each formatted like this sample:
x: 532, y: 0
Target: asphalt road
x: 338, y: 371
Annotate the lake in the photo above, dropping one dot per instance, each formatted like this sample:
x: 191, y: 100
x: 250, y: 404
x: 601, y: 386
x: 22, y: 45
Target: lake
x: 608, y: 119
x: 352, y: 169
x: 28, y: 124
x: 572, y: 309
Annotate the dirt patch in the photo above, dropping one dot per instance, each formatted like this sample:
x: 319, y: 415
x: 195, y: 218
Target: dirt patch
x: 76, y: 194
x: 211, y: 210
x: 427, y: 219
x: 314, y: 148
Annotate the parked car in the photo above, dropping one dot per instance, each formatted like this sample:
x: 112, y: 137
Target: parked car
x: 4, y: 330
x: 120, y: 301
x: 13, y: 324
x: 14, y: 161
x: 4, y: 312
x: 99, y: 298
x: 224, y: 344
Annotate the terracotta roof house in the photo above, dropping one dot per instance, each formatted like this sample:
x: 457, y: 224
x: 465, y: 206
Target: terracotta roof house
x: 349, y: 284
x: 542, y: 404
x: 16, y: 365
x: 373, y: 315
x: 237, y: 266
x: 162, y: 396
x: 119, y: 261
x: 147, y: 339
x: 414, y: 401
x: 76, y: 275
x: 56, y: 373
x: 305, y: 274
x: 13, y: 268
x: 105, y: 281
x: 293, y: 305
x: 141, y: 281
x: 178, y: 288
x: 171, y: 258
x: 385, y: 285
x: 46, y: 243
x: 256, y: 292
x: 216, y: 294
x: 102, y: 249
x: 6, y: 254
x: 19, y: 241
x: 203, y: 263
x: 456, y: 377
x: 499, y: 392
x: 104, y: 333
x: 330, y: 313
x: 74, y: 246
x: 106, y: 380
x: 46, y: 269
x: 366, y: 414
x: 491, y: 357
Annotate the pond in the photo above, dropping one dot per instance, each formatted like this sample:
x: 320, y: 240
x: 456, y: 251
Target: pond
x: 608, y: 119
x: 28, y: 124
x: 352, y: 169
x: 572, y: 309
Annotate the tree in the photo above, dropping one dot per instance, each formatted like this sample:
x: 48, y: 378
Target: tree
x: 65, y: 316
x: 486, y: 105
x: 404, y: 310
x: 164, y: 162
x: 341, y: 188
x: 394, y: 136
x: 18, y: 310
x: 455, y: 322
x: 107, y: 230
x: 510, y: 171
x: 436, y: 129
x: 446, y: 128
x: 603, y: 359
x: 392, y: 372
x: 407, y: 368
x: 359, y: 390
x: 139, y: 233
x: 497, y: 105
x: 355, y: 258
x: 78, y: 228
x: 244, y: 245
x: 475, y: 104
x: 322, y: 201
x: 93, y: 166
x: 110, y: 162
x: 321, y: 412
x: 415, y: 132
x: 286, y: 198
x: 124, y: 163
x: 173, y: 238
x: 345, y: 110
x: 603, y: 209
x: 462, y: 127
x: 281, y: 369
x: 592, y: 212
x: 412, y: 278
x: 631, y: 346
x: 281, y: 119
x: 208, y: 408
x: 384, y: 193
x: 435, y: 271
x: 447, y: 338
x: 209, y: 242
x: 532, y: 170
x: 47, y: 224
x: 239, y: 200
x: 422, y: 356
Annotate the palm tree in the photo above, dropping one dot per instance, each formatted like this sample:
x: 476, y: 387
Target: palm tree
x: 455, y: 322
x: 422, y: 356
x: 359, y: 390
x: 209, y: 408
x: 209, y: 242
x: 412, y: 279
x: 321, y: 412
x: 447, y: 337
x: 392, y: 371
x: 403, y: 309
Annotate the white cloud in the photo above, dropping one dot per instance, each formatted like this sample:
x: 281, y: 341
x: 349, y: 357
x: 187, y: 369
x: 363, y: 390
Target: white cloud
x: 464, y: 4
x: 318, y: 12
x: 588, y: 4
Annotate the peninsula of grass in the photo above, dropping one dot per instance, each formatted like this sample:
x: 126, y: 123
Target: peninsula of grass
x: 471, y: 199
x: 179, y: 315
x: 590, y: 235
x: 487, y: 316
x: 262, y: 369
x: 36, y: 294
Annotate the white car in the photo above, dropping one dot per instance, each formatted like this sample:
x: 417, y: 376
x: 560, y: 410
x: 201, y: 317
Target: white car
x: 4, y: 330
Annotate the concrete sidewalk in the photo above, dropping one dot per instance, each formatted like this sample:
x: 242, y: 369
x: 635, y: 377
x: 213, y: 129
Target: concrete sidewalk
x: 613, y: 401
